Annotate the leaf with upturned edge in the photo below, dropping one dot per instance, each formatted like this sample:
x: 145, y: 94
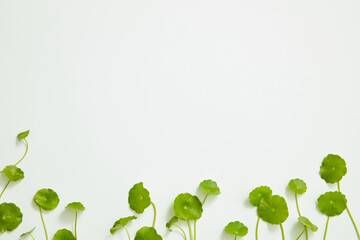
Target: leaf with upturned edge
x: 10, y: 217
x: 64, y: 234
x: 187, y: 207
x: 147, y: 233
x: 332, y: 203
x: 172, y: 221
x: 27, y: 233
x: 210, y: 187
x: 47, y: 199
x: 236, y: 228
x: 259, y: 193
x: 307, y: 223
x: 77, y: 206
x: 13, y: 173
x: 273, y: 209
x: 121, y: 223
x: 333, y: 168
x: 23, y: 135
x: 297, y: 185
x: 139, y: 198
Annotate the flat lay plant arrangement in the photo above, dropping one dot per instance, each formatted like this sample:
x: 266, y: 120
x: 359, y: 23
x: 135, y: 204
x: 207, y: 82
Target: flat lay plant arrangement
x: 188, y: 208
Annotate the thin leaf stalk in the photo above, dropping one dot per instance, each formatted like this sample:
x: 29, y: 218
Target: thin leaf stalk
x: 326, y: 227
x: 153, y: 225
x: 75, y: 224
x: 7, y: 184
x: 127, y: 232
x: 282, y: 231
x: 43, y: 222
x: 182, y: 230
x: 190, y: 231
x: 27, y: 148
x: 257, y: 229
x: 300, y: 234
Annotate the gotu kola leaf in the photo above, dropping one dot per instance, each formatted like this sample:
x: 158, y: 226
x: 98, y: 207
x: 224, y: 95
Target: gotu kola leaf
x: 23, y: 135
x: 47, y: 199
x: 64, y: 234
x: 297, y: 185
x: 10, y: 217
x: 77, y: 206
x: 121, y: 223
x: 236, y: 228
x: 307, y: 223
x: 13, y: 173
x: 139, y: 198
x: 333, y: 168
x: 147, y: 233
x: 332, y: 203
x: 172, y: 221
x: 210, y: 187
x: 259, y: 193
x: 187, y: 207
x: 273, y: 209
x: 27, y: 233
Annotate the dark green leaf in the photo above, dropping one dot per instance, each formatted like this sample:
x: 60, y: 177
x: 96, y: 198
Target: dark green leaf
x: 121, y: 223
x: 332, y: 203
x: 306, y: 222
x: 139, y: 198
x: 333, y: 168
x: 64, y: 234
x: 23, y: 135
x: 47, y: 199
x: 147, y: 233
x: 10, y: 217
x: 259, y: 193
x: 297, y: 185
x: 210, y: 187
x: 236, y: 228
x: 187, y: 207
x: 273, y: 209
x: 13, y: 173
x: 77, y: 206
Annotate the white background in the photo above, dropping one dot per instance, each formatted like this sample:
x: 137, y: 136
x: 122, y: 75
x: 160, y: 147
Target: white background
x: 245, y: 92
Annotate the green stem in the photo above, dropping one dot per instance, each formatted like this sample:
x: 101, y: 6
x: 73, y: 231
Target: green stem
x: 348, y: 211
x: 154, y: 214
x: 75, y: 224
x: 32, y: 236
x: 297, y: 205
x: 235, y: 237
x: 7, y: 184
x: 27, y: 148
x: 282, y: 231
x: 190, y: 230
x: 327, y: 224
x: 257, y: 228
x: 42, y: 219
x: 182, y: 230
x: 202, y: 204
x: 306, y: 233
x: 127, y: 232
x: 300, y: 234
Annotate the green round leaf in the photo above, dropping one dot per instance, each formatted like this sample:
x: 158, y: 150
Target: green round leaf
x: 10, y: 217
x: 187, y: 207
x: 210, y: 187
x: 77, y: 206
x: 333, y: 168
x: 147, y: 233
x: 306, y: 222
x: 172, y: 221
x: 259, y: 193
x: 297, y: 185
x: 27, y: 233
x: 273, y: 209
x: 332, y: 203
x: 236, y: 228
x: 23, y: 135
x: 64, y: 234
x: 47, y: 199
x: 121, y: 223
x: 139, y: 198
x: 13, y: 173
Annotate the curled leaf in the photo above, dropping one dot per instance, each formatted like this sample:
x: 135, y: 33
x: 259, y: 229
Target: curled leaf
x: 172, y: 221
x: 332, y: 203
x: 77, y: 206
x: 13, y: 173
x: 64, y: 234
x: 273, y: 209
x: 10, y: 217
x: 333, y: 168
x: 187, y: 207
x: 23, y: 135
x: 47, y: 199
x: 259, y: 193
x: 121, y: 223
x: 210, y: 187
x: 139, y: 198
x: 297, y: 185
x: 307, y: 223
x: 236, y: 228
x: 147, y: 233
x: 27, y: 233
